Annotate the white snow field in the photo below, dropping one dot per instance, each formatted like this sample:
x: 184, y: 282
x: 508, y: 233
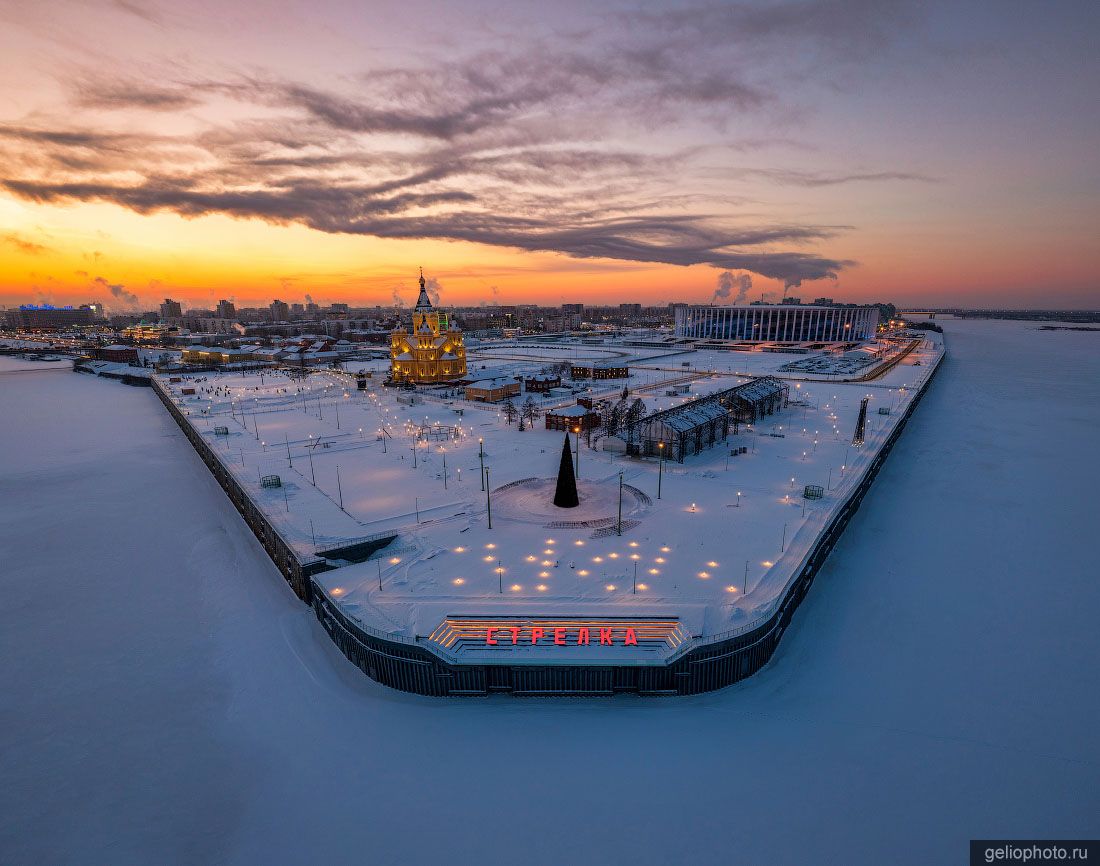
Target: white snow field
x: 166, y: 699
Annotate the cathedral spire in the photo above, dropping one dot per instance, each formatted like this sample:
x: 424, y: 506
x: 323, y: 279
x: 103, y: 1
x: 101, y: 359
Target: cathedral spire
x: 423, y: 302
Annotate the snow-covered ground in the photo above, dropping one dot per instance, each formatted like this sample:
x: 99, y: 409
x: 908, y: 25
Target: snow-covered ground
x: 166, y: 699
x: 713, y: 543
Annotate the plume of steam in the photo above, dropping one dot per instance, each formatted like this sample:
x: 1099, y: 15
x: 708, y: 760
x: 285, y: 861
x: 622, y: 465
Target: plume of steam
x: 726, y: 283
x: 127, y: 300
x: 398, y: 301
x: 434, y: 287
x: 309, y: 298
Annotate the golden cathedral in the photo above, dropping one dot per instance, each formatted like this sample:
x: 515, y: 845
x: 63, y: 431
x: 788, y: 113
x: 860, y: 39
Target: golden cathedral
x: 432, y: 351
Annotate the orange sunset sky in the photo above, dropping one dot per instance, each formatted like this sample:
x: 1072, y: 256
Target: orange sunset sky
x: 546, y: 153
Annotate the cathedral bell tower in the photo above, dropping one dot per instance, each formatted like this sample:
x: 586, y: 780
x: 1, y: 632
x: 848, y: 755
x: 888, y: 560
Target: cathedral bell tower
x: 433, y: 351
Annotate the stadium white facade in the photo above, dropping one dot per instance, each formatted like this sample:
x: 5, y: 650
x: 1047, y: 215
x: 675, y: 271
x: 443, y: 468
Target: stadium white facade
x: 776, y: 323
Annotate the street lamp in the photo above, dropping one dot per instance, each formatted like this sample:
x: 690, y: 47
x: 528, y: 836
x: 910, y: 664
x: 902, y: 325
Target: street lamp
x: 577, y: 431
x: 619, y: 527
x: 660, y: 466
x: 481, y: 457
x: 488, y: 502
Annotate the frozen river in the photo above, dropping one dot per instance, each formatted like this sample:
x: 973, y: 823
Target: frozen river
x: 166, y: 699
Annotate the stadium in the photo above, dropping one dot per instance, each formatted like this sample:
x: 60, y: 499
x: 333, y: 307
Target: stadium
x: 780, y: 323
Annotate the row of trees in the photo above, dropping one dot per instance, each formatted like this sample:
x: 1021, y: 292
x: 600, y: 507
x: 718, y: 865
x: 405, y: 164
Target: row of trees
x: 614, y: 415
x: 527, y: 414
x: 622, y: 414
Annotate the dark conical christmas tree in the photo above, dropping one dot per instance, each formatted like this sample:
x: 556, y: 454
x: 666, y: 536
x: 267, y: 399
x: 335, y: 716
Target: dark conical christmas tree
x: 565, y: 496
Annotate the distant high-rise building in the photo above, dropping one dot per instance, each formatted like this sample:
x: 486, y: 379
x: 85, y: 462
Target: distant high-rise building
x: 170, y: 309
x: 312, y: 309
x: 572, y: 308
x: 823, y: 302
x: 338, y: 308
x: 297, y: 310
x: 280, y: 311
x: 48, y: 317
x: 630, y: 309
x: 226, y: 310
x: 792, y: 302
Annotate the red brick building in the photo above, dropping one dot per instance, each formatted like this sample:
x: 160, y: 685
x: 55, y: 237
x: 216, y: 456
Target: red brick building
x: 117, y: 352
x: 572, y: 417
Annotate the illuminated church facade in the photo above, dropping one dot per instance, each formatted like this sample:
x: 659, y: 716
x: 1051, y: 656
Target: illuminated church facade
x: 433, y: 351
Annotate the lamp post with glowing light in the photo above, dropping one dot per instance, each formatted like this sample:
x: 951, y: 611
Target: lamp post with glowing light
x: 481, y: 457
x: 577, y: 431
x: 660, y: 466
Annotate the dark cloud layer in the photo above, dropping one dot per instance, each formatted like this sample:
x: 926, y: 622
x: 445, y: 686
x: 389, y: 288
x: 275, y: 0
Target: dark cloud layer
x: 508, y: 147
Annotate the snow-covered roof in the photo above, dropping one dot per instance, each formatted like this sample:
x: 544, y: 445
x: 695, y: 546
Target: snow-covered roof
x: 499, y: 382
x: 570, y: 411
x: 759, y: 389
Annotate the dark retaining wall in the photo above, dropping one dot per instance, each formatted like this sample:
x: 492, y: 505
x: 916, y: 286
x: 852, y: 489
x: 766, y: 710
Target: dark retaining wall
x: 412, y: 668
x: 297, y: 574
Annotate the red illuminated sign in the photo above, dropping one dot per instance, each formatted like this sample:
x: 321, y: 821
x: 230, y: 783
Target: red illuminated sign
x: 560, y: 635
x: 460, y: 634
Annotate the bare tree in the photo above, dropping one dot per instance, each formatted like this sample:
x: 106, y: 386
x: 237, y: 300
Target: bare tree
x: 612, y: 418
x: 529, y: 412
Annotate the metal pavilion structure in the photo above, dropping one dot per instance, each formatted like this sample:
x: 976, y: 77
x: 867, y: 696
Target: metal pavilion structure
x: 687, y: 429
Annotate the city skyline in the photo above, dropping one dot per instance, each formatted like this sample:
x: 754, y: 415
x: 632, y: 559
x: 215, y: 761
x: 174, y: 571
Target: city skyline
x: 922, y: 155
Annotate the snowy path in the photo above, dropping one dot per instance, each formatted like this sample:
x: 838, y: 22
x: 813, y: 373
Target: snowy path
x: 167, y: 700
